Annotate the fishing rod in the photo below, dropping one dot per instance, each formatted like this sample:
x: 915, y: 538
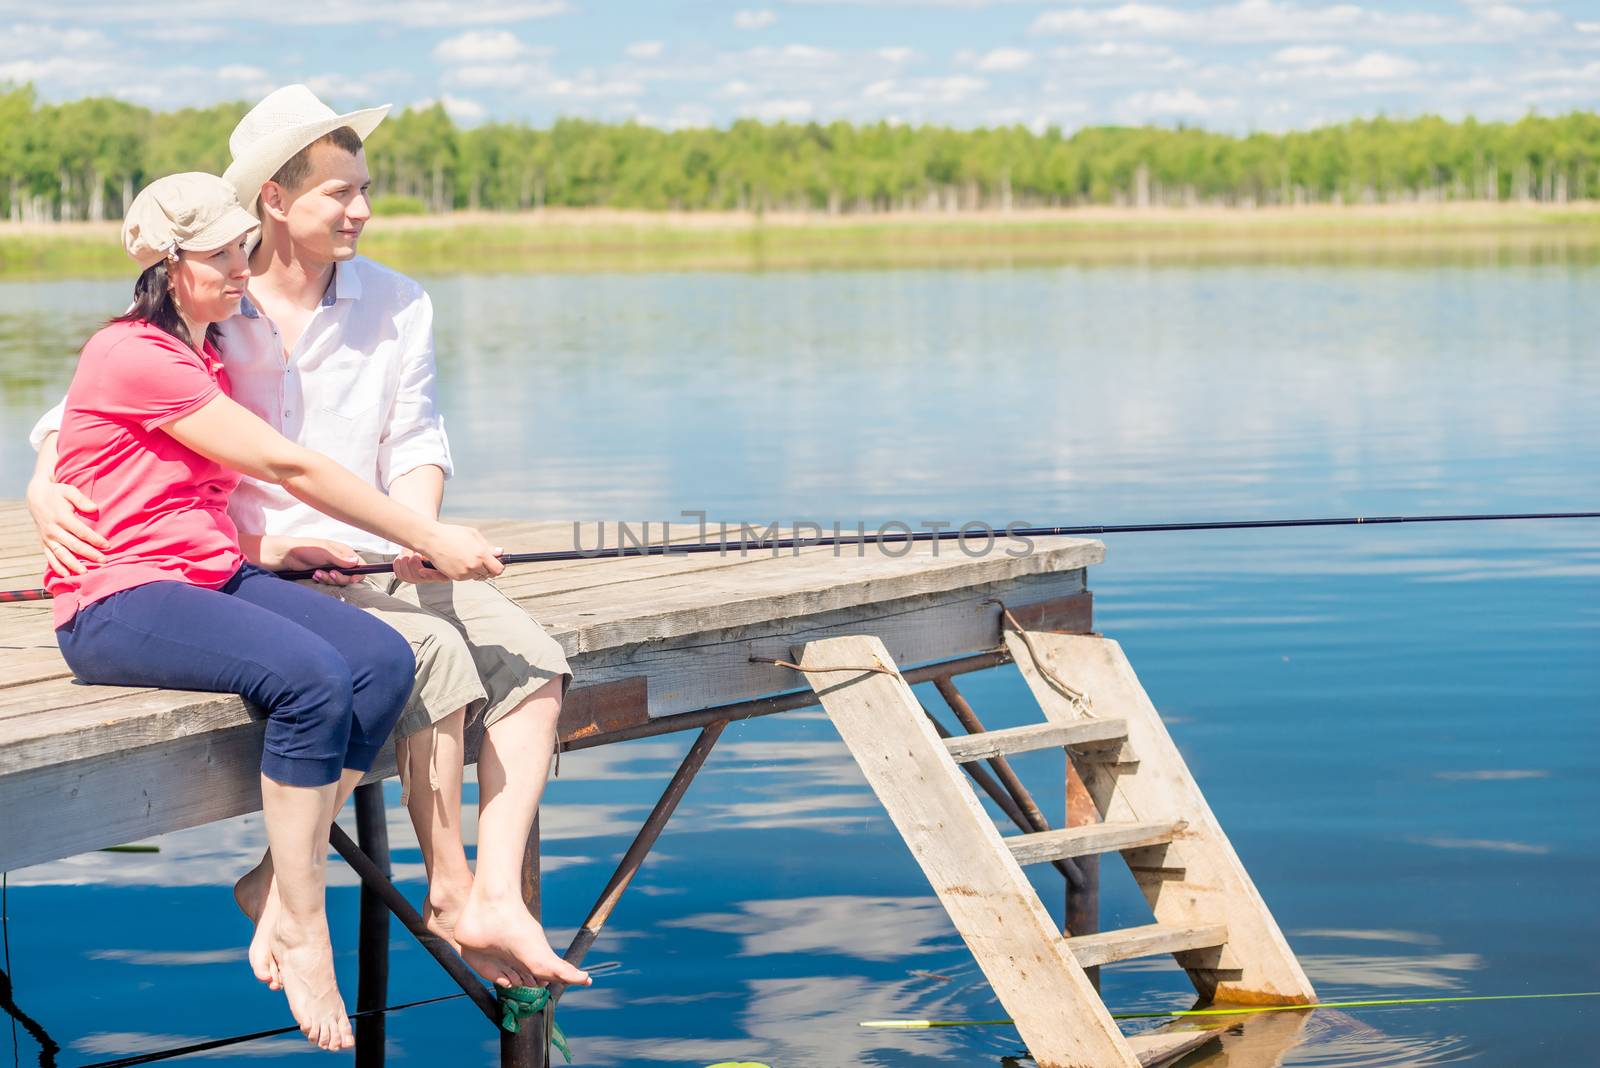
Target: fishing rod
x: 987, y: 533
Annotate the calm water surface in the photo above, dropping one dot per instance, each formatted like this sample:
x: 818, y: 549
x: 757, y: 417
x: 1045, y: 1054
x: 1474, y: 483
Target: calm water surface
x: 1396, y: 726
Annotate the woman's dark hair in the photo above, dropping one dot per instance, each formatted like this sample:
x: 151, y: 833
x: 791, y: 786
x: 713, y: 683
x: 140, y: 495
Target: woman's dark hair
x: 153, y: 303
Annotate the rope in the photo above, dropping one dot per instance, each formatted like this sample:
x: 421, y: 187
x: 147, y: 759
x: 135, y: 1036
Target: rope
x: 877, y: 668
x: 1249, y: 1010
x: 235, y: 1040
x: 517, y: 1003
x: 1077, y: 698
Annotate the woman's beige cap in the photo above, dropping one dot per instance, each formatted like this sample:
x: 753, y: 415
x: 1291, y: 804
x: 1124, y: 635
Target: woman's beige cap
x: 193, y: 210
x: 286, y: 121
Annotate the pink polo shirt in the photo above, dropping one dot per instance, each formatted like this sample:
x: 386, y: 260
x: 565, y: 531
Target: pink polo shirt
x: 162, y: 506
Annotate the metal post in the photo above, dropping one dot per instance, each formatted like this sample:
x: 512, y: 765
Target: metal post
x: 529, y: 1047
x: 396, y: 903
x: 634, y: 858
x: 1083, y: 899
x: 372, y: 990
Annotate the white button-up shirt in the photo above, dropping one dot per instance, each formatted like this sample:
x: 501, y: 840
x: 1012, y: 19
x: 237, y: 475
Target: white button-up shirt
x: 358, y: 387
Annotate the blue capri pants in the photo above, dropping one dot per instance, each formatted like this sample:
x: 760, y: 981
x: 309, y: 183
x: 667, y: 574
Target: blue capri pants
x: 332, y: 679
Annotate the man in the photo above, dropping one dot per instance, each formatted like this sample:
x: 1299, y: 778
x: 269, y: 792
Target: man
x: 336, y: 352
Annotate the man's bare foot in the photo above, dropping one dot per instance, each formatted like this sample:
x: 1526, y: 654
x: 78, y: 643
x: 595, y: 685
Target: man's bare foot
x: 304, y: 959
x: 440, y: 914
x: 257, y: 896
x: 505, y: 928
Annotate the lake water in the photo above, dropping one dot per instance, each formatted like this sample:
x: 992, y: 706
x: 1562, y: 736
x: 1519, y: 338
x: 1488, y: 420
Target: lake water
x: 1397, y: 726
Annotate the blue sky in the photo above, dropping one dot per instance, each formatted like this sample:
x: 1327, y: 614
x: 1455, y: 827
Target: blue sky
x: 1233, y: 65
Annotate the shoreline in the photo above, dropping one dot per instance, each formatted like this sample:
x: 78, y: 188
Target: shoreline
x: 603, y: 239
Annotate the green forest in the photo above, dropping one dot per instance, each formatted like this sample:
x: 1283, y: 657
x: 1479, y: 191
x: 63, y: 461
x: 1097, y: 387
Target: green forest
x: 85, y: 160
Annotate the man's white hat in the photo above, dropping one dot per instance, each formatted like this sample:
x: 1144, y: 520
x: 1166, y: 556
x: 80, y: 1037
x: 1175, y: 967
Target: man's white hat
x: 286, y: 121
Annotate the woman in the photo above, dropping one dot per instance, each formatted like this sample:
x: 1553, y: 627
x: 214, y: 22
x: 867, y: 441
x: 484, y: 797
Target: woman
x: 150, y: 431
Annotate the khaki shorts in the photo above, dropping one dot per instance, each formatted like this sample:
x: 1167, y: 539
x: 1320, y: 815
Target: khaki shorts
x: 475, y: 647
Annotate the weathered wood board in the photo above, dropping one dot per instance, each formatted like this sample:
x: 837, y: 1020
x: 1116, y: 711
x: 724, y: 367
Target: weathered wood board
x: 88, y: 766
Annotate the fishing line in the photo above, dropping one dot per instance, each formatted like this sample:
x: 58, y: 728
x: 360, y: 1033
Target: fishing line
x: 988, y: 534
x: 235, y: 1040
x: 48, y: 1048
x: 1246, y: 1010
x: 5, y: 935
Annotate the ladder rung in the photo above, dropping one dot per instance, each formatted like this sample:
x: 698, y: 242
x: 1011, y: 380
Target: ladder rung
x: 986, y: 744
x: 1044, y: 846
x: 1149, y: 941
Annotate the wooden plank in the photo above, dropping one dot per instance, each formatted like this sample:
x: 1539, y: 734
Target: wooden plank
x: 1151, y: 940
x: 71, y: 807
x: 767, y: 590
x: 1041, y: 847
x: 980, y: 884
x: 58, y: 719
x: 1200, y: 881
x: 1033, y: 736
x: 1163, y: 1047
x: 716, y: 667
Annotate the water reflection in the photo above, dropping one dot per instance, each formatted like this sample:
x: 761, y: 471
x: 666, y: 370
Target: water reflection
x: 1338, y: 693
x: 846, y: 925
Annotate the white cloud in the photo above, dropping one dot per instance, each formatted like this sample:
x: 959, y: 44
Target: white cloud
x: 1004, y: 59
x: 1379, y: 66
x: 35, y: 39
x: 496, y: 75
x: 342, y: 87
x: 1253, y: 21
x: 239, y: 72
x: 587, y: 88
x: 463, y: 109
x: 754, y: 19
x: 922, y: 92
x: 780, y: 110
x: 1303, y: 55
x: 643, y: 50
x: 480, y: 46
x: 1336, y: 75
x: 1174, y: 104
x: 897, y: 54
x: 409, y: 13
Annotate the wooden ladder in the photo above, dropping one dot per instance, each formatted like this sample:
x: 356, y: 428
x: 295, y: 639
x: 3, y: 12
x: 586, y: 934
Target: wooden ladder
x: 1208, y: 914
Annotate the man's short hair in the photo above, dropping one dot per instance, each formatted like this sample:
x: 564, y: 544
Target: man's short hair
x: 293, y: 174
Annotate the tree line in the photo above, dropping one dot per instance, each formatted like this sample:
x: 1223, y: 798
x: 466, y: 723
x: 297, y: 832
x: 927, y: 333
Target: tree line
x: 85, y: 159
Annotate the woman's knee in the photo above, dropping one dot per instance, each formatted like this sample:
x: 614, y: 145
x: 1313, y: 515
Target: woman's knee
x: 392, y: 669
x: 321, y: 687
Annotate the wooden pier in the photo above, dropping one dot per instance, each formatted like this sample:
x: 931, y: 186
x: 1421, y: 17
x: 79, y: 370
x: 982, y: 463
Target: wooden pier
x: 658, y: 644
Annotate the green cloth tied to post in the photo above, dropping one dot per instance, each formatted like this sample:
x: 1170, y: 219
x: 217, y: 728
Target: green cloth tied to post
x: 517, y: 1003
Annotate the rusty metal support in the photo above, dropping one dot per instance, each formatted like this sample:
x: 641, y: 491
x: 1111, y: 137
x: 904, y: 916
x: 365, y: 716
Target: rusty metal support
x: 634, y: 858
x: 372, y: 876
x: 1033, y: 819
x: 767, y: 706
x: 1083, y: 899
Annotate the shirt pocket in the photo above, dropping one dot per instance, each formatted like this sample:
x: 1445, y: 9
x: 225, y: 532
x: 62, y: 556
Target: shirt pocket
x: 346, y: 429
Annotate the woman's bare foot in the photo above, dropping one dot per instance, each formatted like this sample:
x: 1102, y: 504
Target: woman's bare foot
x: 257, y: 896
x: 504, y: 928
x: 304, y: 959
x: 440, y: 914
